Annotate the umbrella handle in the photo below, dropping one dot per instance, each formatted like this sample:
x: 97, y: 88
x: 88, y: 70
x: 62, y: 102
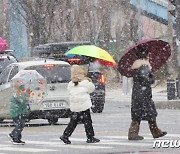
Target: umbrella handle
x: 156, y: 84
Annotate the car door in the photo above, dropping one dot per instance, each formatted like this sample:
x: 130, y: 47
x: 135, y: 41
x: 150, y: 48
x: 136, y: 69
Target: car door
x: 6, y: 90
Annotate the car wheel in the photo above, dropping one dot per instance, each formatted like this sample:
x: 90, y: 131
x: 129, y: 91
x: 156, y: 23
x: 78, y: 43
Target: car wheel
x: 53, y: 121
x: 98, y: 106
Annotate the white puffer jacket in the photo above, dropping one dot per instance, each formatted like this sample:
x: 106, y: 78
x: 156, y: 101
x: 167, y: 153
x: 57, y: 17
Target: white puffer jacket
x: 79, y: 95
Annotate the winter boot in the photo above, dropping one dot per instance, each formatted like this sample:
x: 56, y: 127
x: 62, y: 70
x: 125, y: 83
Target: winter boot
x: 155, y: 131
x: 18, y: 142
x: 134, y: 131
x: 65, y: 139
x: 92, y: 140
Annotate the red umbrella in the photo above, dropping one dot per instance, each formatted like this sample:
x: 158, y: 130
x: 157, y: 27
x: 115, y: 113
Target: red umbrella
x: 159, y: 52
x: 3, y: 44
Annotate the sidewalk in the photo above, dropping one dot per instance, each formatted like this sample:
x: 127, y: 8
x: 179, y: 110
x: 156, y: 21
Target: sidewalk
x: 159, y: 96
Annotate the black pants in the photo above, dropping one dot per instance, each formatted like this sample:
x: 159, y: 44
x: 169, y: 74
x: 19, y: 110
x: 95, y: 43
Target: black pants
x: 80, y: 117
x: 19, y: 123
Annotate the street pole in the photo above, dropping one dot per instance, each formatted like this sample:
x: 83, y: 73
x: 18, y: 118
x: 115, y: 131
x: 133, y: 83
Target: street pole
x: 173, y: 59
x: 127, y: 86
x: 139, y: 19
x: 177, y: 2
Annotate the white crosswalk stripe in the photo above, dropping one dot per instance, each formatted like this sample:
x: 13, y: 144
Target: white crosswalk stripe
x: 24, y: 149
x: 53, y: 144
x: 76, y: 146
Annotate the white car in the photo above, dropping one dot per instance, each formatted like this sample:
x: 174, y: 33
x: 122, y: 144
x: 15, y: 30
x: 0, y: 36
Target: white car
x: 55, y: 105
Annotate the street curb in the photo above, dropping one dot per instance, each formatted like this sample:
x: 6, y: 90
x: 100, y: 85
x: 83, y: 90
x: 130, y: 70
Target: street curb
x: 174, y: 104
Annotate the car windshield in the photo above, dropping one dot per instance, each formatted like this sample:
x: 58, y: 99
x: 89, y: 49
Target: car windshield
x: 53, y: 73
x: 5, y: 61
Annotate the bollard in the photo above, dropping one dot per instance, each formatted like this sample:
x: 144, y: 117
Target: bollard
x: 177, y: 88
x: 171, y: 89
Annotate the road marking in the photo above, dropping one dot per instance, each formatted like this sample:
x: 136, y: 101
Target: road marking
x: 107, y: 142
x: 126, y: 143
x: 124, y: 137
x: 76, y: 146
x: 82, y: 140
x: 146, y: 137
x: 22, y: 148
x: 173, y: 135
x: 114, y: 141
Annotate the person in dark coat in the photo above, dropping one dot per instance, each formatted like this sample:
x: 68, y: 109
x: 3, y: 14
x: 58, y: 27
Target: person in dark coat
x: 79, y: 89
x: 19, y: 112
x: 142, y: 105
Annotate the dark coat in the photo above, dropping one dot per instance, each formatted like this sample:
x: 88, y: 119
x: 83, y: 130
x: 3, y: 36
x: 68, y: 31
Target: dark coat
x: 142, y: 105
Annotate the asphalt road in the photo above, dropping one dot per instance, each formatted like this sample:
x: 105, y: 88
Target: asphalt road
x: 111, y: 127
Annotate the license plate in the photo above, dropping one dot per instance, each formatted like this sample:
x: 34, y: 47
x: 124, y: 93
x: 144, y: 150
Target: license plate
x: 55, y: 105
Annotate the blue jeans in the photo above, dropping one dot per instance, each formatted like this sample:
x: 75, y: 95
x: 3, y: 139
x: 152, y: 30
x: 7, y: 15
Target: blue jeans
x: 19, y: 123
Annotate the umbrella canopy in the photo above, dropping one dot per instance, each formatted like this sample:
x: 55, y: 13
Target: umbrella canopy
x: 159, y: 52
x: 3, y: 44
x: 92, y: 51
x: 32, y: 81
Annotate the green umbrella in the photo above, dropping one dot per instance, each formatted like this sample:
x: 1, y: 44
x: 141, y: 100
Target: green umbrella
x: 92, y: 51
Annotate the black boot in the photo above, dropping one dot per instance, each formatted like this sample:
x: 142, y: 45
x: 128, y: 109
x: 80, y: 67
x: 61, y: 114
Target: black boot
x: 65, y: 139
x: 92, y: 140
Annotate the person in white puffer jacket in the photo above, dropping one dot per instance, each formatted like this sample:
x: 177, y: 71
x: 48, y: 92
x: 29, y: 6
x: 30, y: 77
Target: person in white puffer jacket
x: 79, y: 89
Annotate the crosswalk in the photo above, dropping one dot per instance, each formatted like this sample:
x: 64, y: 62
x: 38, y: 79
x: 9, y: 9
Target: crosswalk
x: 54, y: 144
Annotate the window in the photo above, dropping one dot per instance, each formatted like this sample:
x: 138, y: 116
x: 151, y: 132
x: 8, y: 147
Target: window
x: 4, y: 75
x: 53, y: 73
x: 5, y: 61
x: 13, y: 72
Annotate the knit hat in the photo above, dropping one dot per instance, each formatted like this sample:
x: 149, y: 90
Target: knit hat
x: 78, y: 73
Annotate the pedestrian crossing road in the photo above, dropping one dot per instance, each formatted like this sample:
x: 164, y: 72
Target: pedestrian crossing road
x: 111, y: 127
x: 108, y: 144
